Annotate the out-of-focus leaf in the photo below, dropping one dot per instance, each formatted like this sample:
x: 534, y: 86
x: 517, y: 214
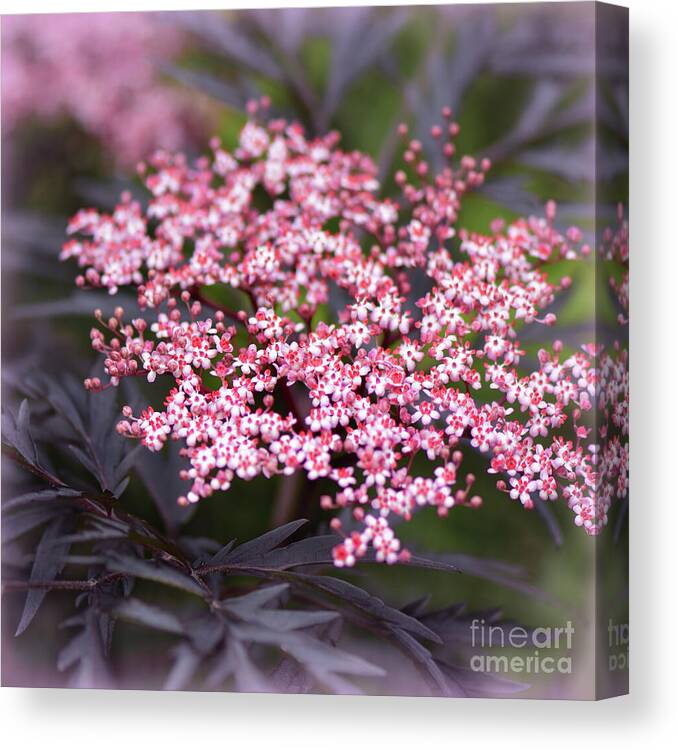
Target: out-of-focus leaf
x: 186, y: 664
x: 16, y: 433
x: 289, y: 676
x: 106, y: 193
x: 25, y: 443
x: 531, y: 122
x: 85, y: 460
x: 505, y: 574
x: 141, y: 613
x: 86, y: 650
x: 471, y: 684
x: 29, y: 498
x: 551, y: 522
x: 577, y: 163
x: 26, y: 519
x: 535, y: 45
x: 30, y: 244
x: 250, y: 608
x: 621, y: 517
x: 416, y: 607
x: 235, y: 661
x: 248, y: 678
x: 48, y: 563
x: 63, y: 405
x: 421, y: 656
x: 206, y: 632
x: 220, y: 90
x: 453, y: 623
x: 360, y: 37
x: 92, y: 536
x: 77, y: 303
x: 288, y: 25
x: 292, y: 619
x: 226, y: 38
x: 160, y: 473
x: 248, y: 603
x: 319, y: 658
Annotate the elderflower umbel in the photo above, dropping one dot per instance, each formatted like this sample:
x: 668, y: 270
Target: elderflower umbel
x: 354, y: 400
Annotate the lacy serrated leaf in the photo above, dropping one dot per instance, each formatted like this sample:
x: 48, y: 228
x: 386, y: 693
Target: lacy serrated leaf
x: 312, y: 551
x: 318, y: 551
x: 259, y: 546
x: 152, y: 571
x: 363, y: 602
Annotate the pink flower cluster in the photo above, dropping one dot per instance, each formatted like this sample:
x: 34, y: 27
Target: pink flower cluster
x: 615, y: 248
x: 101, y: 70
x: 352, y: 398
x: 612, y: 451
x: 612, y: 464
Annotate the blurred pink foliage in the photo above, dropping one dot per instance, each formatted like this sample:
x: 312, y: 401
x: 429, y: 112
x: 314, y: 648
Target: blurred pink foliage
x: 101, y: 70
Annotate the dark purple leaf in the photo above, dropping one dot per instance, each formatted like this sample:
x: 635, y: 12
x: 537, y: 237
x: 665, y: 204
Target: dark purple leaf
x: 141, y: 613
x: 152, y: 571
x: 50, y: 557
x: 259, y: 546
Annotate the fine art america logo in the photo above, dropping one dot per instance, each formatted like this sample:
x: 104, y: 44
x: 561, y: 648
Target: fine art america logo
x: 541, y: 649
x: 618, y: 646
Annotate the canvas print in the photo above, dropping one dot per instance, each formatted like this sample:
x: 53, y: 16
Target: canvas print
x: 314, y: 350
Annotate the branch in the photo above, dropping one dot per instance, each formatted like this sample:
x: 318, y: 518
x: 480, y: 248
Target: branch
x: 88, y: 585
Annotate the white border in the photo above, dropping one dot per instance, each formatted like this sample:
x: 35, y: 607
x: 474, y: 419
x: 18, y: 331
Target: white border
x: 69, y: 719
